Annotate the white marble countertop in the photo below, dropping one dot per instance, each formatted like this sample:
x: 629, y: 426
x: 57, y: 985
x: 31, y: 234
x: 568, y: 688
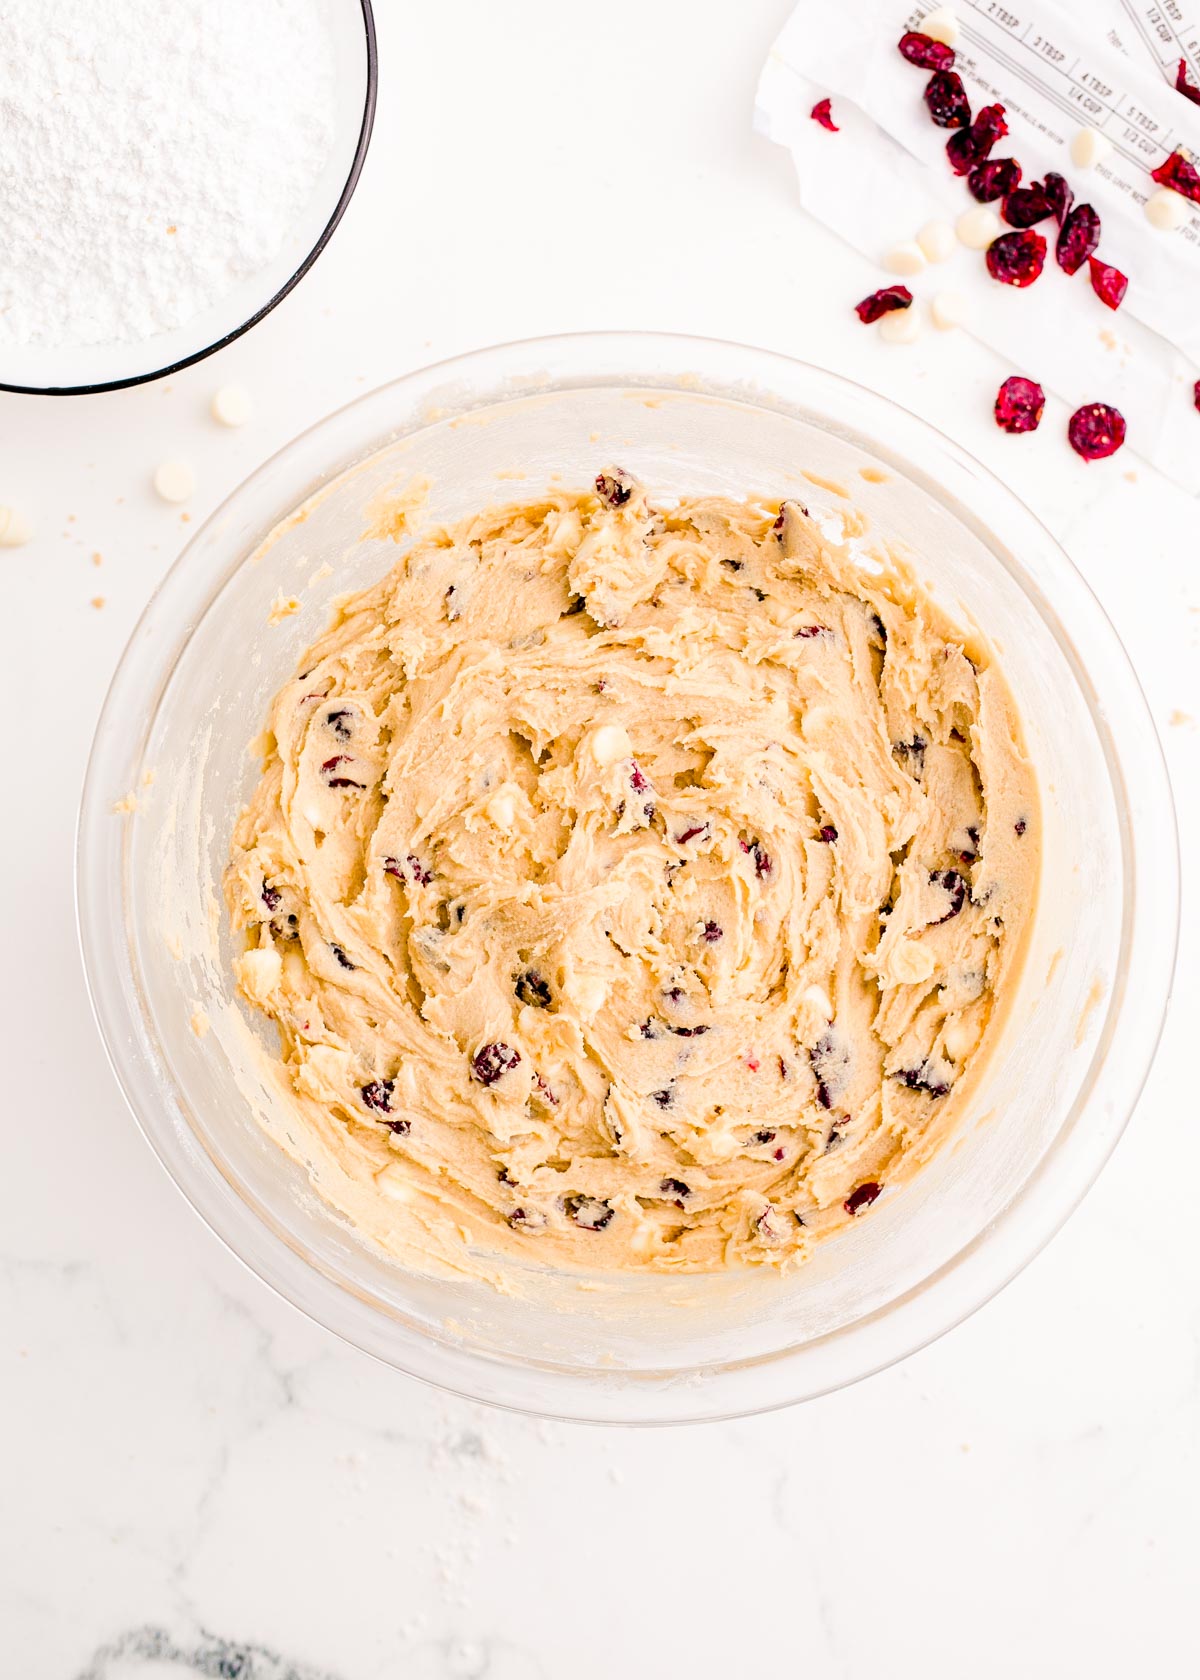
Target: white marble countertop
x: 196, y: 1480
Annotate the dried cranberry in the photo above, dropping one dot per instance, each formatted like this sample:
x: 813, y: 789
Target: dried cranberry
x: 1184, y: 83
x: 342, y: 957
x: 1016, y: 259
x: 947, y: 99
x: 1027, y: 205
x: 533, y: 990
x: 690, y: 833
x: 1096, y: 430
x: 1180, y: 174
x: 1019, y: 827
x: 637, y: 780
x: 925, y: 52
x: 1078, y: 238
x: 271, y: 897
x: 1060, y: 193
x: 870, y: 309
x: 1108, y: 283
x: 337, y: 722
x: 829, y: 834
x: 664, y: 1099
x: 416, y: 870
x: 1020, y: 404
x: 712, y: 933
x: 688, y: 1032
x: 494, y: 1060
x: 994, y: 178
x: 332, y: 779
x: 807, y: 631
x: 614, y: 486
x: 972, y: 145
x: 675, y: 1189
x: 822, y: 114
x: 763, y: 862
x: 1196, y: 396
x: 861, y: 1198
x: 830, y: 1059
x: 922, y: 1079
x: 588, y: 1212
x: 951, y: 882
x: 378, y: 1095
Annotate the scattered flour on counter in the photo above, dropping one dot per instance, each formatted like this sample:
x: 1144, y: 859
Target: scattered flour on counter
x: 154, y: 156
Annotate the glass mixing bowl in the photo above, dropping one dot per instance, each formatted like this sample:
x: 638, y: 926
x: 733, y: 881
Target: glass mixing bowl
x: 686, y: 415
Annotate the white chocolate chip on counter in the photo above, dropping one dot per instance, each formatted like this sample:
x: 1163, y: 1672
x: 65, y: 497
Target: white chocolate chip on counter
x: 15, y: 528
x: 937, y: 240
x: 976, y: 228
x: 905, y: 257
x: 949, y: 310
x: 174, y: 480
x: 900, y: 326
x: 609, y: 744
x: 232, y: 405
x: 940, y: 25
x: 1088, y: 146
x: 1167, y: 210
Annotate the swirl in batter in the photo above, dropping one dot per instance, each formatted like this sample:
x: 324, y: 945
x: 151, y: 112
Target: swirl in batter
x: 633, y: 886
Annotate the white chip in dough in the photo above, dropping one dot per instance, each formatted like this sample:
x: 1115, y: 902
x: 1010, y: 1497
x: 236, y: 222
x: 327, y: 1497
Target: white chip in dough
x: 175, y: 480
x: 901, y: 326
x: 937, y: 241
x: 610, y: 743
x: 15, y: 528
x: 949, y: 310
x: 1167, y: 210
x: 905, y: 257
x: 1088, y: 146
x: 232, y: 405
x: 977, y: 227
x: 940, y: 25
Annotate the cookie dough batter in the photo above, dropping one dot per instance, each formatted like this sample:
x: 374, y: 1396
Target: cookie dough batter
x: 634, y: 886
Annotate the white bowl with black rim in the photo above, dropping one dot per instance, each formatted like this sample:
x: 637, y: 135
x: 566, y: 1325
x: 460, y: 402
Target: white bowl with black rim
x: 77, y: 370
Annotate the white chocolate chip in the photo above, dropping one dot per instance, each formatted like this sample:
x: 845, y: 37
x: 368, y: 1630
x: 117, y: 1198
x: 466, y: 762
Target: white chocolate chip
x: 949, y: 310
x: 937, y: 241
x: 174, y: 480
x: 259, y: 972
x: 610, y: 743
x: 900, y: 326
x: 940, y: 25
x: 232, y: 405
x: 15, y: 528
x: 819, y: 998
x: 588, y: 992
x: 905, y: 257
x: 502, y: 810
x: 958, y: 1040
x: 1088, y: 146
x: 976, y: 228
x: 1167, y: 210
x: 911, y: 962
x: 816, y: 720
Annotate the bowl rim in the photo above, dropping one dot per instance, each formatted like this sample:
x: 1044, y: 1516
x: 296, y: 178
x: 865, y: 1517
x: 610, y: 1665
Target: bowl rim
x: 366, y: 125
x: 715, y: 1393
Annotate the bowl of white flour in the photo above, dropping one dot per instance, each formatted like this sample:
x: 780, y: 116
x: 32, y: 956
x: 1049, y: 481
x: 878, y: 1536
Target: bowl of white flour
x: 170, y: 170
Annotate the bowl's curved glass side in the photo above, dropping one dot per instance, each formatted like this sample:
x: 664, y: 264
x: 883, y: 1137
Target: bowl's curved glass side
x: 951, y: 1238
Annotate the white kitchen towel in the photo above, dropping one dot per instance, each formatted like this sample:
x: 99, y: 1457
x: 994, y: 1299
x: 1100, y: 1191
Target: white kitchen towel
x: 1110, y: 66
